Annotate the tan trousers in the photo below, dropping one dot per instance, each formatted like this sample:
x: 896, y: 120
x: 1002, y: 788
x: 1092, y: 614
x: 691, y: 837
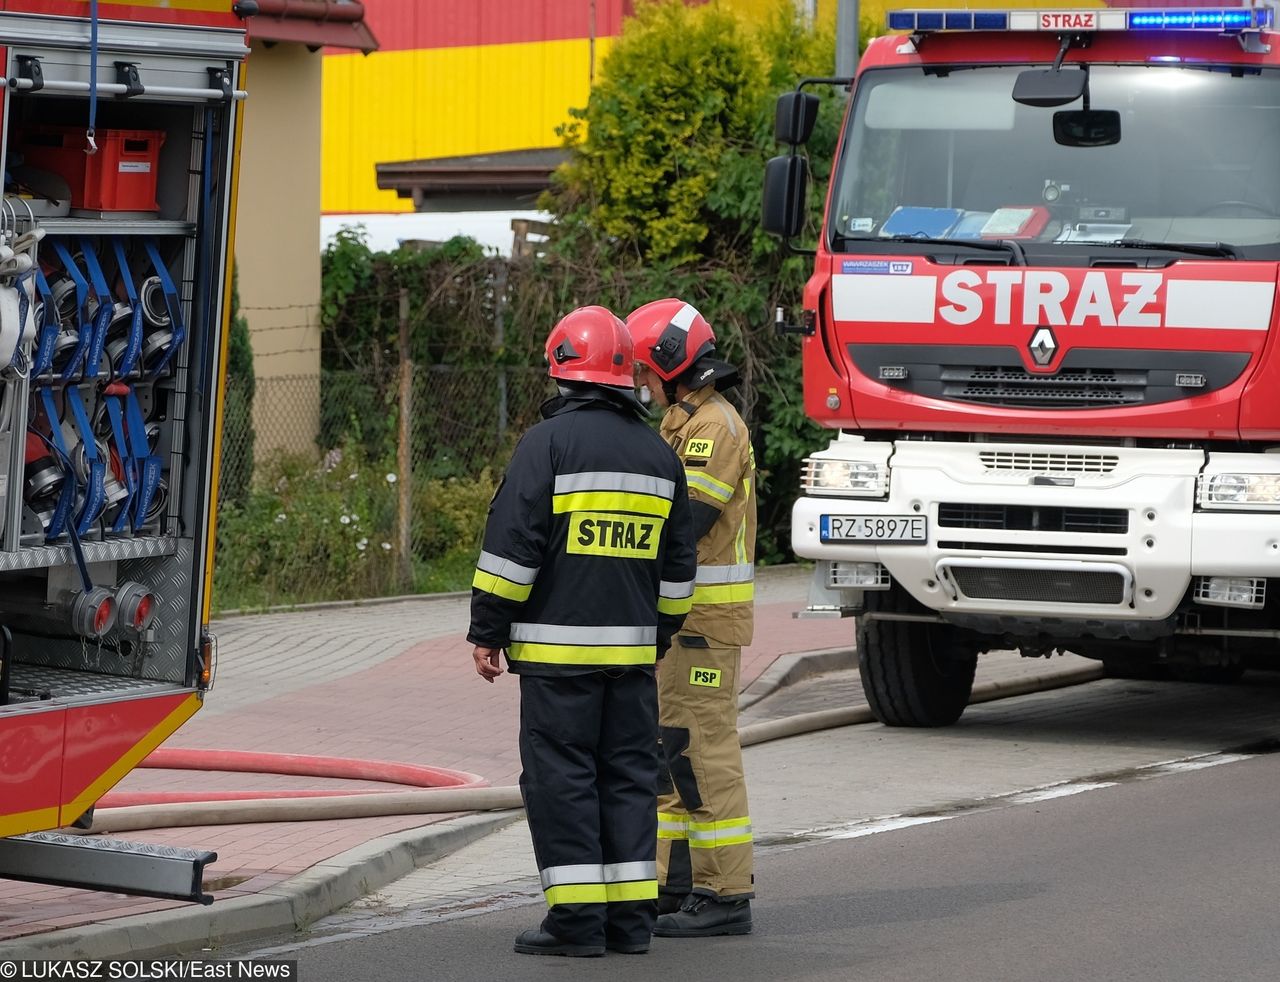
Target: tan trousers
x: 704, y: 830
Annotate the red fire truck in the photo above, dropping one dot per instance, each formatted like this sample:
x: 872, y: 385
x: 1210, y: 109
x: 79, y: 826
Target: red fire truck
x: 118, y: 129
x: 1042, y: 321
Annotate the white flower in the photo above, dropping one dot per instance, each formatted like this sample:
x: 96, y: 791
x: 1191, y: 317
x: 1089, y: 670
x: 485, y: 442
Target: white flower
x: 386, y: 547
x: 355, y: 517
x: 345, y: 519
x: 362, y: 544
x: 281, y: 517
x: 391, y: 479
x: 353, y: 475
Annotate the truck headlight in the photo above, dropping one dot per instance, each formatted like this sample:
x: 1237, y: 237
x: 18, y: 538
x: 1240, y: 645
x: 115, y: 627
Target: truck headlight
x: 860, y: 478
x: 1236, y: 490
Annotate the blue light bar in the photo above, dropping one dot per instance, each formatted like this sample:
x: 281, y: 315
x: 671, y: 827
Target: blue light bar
x: 1228, y: 19
x: 1219, y: 19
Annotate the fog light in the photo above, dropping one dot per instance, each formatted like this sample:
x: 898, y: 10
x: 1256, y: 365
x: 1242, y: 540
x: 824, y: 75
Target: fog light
x: 857, y: 576
x: 1231, y: 591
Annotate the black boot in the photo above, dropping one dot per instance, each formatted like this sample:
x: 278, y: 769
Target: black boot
x: 669, y: 903
x: 705, y: 917
x: 537, y: 941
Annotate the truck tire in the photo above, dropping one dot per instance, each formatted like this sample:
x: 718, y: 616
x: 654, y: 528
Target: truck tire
x: 913, y: 674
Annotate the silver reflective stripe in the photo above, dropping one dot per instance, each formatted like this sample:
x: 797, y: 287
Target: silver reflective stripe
x: 675, y: 591
x: 674, y: 826
x: 622, y: 872
x: 556, y: 876
x: 711, y: 835
x: 684, y: 317
x: 583, y: 634
x: 740, y: 573
x: 524, y: 575
x: 615, y: 481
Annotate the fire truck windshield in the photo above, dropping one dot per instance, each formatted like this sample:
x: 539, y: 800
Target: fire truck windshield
x: 948, y: 154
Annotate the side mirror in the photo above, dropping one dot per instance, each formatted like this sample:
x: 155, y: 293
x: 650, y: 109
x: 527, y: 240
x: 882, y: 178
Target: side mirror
x: 1086, y: 127
x: 794, y: 117
x: 1050, y: 87
x: 785, y: 183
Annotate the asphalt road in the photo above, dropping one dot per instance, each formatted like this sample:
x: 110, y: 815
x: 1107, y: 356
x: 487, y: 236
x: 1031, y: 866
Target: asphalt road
x: 1171, y: 878
x: 1136, y: 869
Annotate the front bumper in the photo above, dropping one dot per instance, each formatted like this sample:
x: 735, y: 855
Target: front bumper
x: 970, y: 565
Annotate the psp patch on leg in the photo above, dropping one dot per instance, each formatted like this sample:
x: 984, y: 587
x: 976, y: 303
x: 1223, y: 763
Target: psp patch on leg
x: 708, y: 677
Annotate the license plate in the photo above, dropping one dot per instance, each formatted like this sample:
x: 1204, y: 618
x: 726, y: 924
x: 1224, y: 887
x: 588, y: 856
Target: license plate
x: 874, y: 528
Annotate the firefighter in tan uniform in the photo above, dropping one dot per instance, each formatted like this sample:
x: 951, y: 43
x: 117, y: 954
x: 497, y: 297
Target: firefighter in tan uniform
x: 704, y: 830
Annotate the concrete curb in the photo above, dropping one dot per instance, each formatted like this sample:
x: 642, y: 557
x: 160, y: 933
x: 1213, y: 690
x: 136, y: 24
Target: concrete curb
x: 284, y: 908
x: 790, y: 669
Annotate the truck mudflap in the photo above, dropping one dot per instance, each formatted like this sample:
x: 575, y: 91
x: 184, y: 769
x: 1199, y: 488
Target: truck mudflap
x: 114, y: 865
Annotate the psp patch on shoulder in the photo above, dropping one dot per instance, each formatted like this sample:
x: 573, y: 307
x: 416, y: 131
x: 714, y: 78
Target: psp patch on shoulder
x: 699, y: 448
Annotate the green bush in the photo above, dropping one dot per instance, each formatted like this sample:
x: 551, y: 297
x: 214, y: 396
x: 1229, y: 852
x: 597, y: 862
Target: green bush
x: 449, y: 515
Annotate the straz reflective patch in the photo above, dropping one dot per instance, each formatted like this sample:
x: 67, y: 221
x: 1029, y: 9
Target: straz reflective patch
x: 708, y: 677
x: 699, y: 448
x: 601, y: 533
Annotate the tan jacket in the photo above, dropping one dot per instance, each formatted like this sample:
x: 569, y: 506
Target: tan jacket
x: 720, y: 467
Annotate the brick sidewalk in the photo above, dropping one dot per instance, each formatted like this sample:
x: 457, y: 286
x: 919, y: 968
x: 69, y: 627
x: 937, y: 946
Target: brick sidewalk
x: 386, y: 682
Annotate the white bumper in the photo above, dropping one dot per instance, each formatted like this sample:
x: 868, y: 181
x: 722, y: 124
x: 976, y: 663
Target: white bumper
x: 1138, y: 572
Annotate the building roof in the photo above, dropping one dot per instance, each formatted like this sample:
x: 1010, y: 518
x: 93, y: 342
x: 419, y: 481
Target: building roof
x: 513, y: 173
x: 315, y: 23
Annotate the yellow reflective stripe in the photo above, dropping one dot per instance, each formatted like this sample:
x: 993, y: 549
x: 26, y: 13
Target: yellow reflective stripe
x: 573, y: 654
x: 636, y: 890
x: 667, y: 606
x: 713, y: 835
x: 576, y: 893
x: 724, y: 593
x: 672, y: 825
x: 640, y: 504
x: 740, y: 544
x: 709, y: 485
x: 718, y: 841
x: 728, y: 823
x: 490, y: 583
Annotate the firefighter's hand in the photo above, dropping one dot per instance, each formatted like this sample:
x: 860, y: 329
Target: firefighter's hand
x: 487, y: 666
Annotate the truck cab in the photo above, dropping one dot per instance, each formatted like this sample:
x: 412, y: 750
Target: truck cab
x: 1042, y: 323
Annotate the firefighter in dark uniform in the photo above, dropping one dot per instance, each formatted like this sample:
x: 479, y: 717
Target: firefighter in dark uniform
x: 586, y: 574
x: 705, y: 872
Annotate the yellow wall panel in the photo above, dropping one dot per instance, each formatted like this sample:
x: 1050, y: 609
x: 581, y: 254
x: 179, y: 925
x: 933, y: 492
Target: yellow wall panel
x: 442, y: 102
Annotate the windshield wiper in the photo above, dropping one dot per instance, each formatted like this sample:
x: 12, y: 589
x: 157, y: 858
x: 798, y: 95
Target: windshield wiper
x: 1013, y: 248
x: 1219, y: 250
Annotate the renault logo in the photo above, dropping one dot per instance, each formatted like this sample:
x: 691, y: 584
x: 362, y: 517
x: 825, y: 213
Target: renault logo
x: 1043, y: 345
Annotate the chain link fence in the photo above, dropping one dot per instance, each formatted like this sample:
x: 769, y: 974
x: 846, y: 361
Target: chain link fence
x: 354, y: 483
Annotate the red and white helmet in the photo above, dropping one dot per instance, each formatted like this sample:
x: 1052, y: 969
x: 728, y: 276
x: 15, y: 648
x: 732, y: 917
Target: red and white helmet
x: 591, y: 344
x: 669, y: 336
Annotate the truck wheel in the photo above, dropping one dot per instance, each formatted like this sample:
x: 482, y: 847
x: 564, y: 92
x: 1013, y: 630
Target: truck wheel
x: 913, y: 674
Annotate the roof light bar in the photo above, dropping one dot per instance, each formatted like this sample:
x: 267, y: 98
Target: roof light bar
x: 1220, y: 19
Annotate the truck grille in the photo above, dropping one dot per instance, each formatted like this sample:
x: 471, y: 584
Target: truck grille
x: 1014, y: 386
x: 1057, y: 586
x: 1048, y: 461
x: 1088, y: 378
x: 1025, y: 518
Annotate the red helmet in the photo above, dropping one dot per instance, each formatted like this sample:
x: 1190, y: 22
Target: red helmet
x: 670, y: 335
x: 591, y: 344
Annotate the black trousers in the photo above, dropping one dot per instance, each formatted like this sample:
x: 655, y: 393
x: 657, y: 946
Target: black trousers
x: 588, y: 745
